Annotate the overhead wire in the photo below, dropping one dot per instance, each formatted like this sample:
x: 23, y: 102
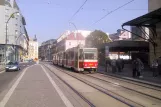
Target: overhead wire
x: 78, y: 10
x: 113, y: 11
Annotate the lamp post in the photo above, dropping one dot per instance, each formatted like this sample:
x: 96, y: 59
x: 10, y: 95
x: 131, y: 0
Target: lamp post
x: 22, y: 34
x: 11, y: 16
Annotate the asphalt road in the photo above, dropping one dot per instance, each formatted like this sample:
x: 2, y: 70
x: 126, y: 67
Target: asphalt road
x: 7, y: 77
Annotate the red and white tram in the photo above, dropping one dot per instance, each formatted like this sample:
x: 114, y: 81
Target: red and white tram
x: 78, y: 59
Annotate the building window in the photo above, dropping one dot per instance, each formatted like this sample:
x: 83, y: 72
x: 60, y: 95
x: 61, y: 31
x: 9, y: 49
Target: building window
x: 6, y: 16
x: 6, y: 10
x: 69, y: 43
x: 16, y: 32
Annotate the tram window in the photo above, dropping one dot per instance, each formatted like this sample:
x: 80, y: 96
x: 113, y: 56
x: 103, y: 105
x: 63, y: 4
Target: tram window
x: 89, y: 56
x: 81, y: 54
x: 72, y: 55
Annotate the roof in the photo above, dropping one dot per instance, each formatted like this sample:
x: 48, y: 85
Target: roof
x: 72, y: 36
x: 146, y: 20
x: 127, y: 45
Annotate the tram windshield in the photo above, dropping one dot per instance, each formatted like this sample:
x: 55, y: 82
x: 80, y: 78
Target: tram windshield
x: 90, y: 54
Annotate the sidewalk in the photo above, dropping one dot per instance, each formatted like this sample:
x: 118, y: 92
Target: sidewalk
x: 2, y: 68
x: 127, y: 73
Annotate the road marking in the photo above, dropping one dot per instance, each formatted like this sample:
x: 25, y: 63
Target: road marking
x: 62, y: 96
x: 2, y: 71
x: 12, y: 89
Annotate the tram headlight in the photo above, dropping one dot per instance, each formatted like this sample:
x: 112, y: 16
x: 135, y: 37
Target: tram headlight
x: 85, y: 65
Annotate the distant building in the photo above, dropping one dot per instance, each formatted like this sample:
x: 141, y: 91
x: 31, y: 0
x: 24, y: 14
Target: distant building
x: 45, y: 50
x: 33, y: 49
x: 70, y: 41
x: 120, y: 35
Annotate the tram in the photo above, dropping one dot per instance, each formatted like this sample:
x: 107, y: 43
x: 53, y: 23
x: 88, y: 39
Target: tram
x: 78, y: 59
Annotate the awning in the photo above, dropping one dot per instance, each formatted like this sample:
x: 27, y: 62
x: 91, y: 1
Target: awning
x: 126, y: 45
x: 147, y: 20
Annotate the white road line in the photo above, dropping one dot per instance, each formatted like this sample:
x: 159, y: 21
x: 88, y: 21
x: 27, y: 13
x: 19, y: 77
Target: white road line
x: 2, y: 71
x: 10, y: 92
x: 62, y: 96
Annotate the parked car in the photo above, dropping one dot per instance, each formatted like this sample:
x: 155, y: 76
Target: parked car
x: 12, y: 66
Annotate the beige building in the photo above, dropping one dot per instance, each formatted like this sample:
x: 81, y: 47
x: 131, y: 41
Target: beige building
x: 33, y: 49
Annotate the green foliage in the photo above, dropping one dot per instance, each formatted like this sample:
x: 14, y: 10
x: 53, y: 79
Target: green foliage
x: 97, y: 38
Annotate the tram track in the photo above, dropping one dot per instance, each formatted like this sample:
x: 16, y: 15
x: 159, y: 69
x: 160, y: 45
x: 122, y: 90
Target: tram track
x: 103, y: 90
x: 153, y: 87
x: 113, y: 83
x: 86, y: 100
x: 154, y: 99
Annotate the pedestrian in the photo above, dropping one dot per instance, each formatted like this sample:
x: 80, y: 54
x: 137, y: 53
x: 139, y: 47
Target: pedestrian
x: 155, y: 67
x: 159, y: 65
x: 140, y: 67
x: 119, y: 65
x: 122, y: 62
x: 113, y: 64
x: 134, y: 66
x: 108, y: 64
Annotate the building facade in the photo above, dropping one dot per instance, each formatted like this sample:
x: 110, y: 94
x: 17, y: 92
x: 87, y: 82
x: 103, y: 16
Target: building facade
x: 33, y: 49
x: 154, y: 5
x: 70, y: 41
x: 139, y: 32
x: 120, y: 35
x: 16, y: 37
x: 46, y: 50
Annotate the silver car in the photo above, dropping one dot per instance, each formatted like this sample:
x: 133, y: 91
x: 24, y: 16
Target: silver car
x: 12, y: 66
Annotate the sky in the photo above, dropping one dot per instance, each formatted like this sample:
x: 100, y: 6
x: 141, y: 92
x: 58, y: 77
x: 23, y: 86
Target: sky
x: 48, y: 19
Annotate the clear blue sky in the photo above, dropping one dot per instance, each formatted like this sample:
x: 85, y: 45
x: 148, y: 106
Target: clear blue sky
x: 49, y: 18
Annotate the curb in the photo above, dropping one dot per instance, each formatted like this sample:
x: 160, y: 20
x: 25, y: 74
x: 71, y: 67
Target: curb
x: 132, y: 79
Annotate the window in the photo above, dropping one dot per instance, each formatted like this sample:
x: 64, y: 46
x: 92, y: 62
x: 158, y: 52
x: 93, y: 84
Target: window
x: 89, y: 56
x: 6, y: 16
x: 16, y: 32
x: 69, y: 43
x: 6, y: 10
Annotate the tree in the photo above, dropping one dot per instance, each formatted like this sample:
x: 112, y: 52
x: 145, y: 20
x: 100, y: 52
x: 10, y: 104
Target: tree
x: 97, y: 38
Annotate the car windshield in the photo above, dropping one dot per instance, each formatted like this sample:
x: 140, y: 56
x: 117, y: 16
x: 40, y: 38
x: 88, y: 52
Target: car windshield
x: 12, y: 63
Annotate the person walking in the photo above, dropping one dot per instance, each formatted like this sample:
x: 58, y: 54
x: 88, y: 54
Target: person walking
x: 108, y: 64
x: 134, y: 66
x: 140, y: 67
x: 159, y: 65
x: 155, y: 67
x: 113, y: 64
x: 119, y: 65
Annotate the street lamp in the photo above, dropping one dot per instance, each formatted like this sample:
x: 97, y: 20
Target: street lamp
x: 71, y: 23
x: 11, y: 16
